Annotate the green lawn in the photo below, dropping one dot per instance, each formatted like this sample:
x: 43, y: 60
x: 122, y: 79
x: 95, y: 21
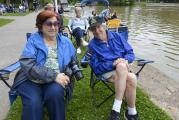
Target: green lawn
x: 65, y: 21
x: 5, y: 21
x: 16, y: 14
x: 81, y: 107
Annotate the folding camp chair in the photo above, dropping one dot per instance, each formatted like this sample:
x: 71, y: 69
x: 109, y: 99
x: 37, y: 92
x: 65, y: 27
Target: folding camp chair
x: 113, y: 24
x: 95, y: 79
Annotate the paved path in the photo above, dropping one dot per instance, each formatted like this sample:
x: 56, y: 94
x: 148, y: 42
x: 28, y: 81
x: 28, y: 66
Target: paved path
x: 12, y: 40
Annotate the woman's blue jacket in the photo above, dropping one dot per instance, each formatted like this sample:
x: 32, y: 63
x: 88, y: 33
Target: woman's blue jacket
x: 105, y: 53
x: 35, y: 55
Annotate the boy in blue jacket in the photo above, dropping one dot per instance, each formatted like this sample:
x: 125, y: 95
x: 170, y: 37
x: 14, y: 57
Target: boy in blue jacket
x: 111, y: 54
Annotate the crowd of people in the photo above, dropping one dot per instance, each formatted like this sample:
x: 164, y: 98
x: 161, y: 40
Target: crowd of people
x: 42, y: 79
x: 23, y: 6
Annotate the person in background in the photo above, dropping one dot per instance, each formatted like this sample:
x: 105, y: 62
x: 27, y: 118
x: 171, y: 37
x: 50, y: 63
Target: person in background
x: 49, y: 6
x: 35, y: 5
x: 111, y: 54
x: 94, y: 13
x: 41, y: 80
x: 61, y: 10
x: 21, y: 8
x: 78, y: 27
x: 105, y: 14
x: 26, y: 5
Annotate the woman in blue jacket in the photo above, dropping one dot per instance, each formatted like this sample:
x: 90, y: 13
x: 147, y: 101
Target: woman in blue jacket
x: 41, y: 79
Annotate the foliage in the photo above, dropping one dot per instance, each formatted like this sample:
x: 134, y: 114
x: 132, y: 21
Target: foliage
x: 4, y: 21
x: 65, y: 21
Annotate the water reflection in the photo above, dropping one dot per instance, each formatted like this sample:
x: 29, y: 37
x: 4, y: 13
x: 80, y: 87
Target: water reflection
x: 154, y: 33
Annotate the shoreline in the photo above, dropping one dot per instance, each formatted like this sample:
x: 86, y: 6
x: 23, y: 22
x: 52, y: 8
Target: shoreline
x: 161, y: 89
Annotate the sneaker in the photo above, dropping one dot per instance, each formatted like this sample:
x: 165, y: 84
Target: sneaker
x: 130, y: 117
x: 84, y: 43
x: 78, y: 50
x: 114, y: 115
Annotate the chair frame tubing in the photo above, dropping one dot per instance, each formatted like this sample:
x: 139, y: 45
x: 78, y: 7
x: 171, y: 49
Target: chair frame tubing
x: 93, y: 82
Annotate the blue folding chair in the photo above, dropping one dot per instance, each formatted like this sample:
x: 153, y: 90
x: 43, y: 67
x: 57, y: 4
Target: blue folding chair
x: 4, y: 76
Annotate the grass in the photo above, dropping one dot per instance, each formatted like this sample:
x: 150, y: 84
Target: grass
x: 81, y: 107
x: 16, y: 14
x: 5, y: 21
x: 65, y: 21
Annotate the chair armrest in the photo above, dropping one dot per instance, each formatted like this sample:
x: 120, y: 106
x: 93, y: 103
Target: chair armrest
x: 84, y: 62
x: 5, y: 72
x: 141, y: 63
x: 86, y: 59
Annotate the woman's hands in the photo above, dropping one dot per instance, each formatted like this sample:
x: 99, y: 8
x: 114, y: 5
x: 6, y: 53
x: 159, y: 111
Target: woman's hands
x: 62, y: 79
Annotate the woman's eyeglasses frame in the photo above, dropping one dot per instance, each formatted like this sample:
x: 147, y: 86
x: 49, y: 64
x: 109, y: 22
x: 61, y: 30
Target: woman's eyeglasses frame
x: 50, y: 23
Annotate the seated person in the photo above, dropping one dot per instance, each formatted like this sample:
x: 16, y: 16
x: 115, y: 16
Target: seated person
x: 21, y: 8
x: 111, y: 54
x: 41, y: 79
x: 93, y: 13
x: 78, y: 27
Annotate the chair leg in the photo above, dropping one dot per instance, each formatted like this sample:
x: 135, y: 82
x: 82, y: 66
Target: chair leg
x: 93, y: 83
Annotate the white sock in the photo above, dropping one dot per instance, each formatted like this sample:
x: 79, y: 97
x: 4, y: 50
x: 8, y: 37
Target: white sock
x: 117, y: 105
x: 132, y: 111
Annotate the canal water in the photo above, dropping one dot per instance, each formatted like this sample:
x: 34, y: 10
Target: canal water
x: 154, y: 34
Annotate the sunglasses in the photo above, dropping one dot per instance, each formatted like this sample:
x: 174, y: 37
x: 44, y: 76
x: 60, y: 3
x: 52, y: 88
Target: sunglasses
x: 50, y: 24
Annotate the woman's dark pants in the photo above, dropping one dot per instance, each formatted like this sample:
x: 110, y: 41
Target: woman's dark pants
x: 35, y: 96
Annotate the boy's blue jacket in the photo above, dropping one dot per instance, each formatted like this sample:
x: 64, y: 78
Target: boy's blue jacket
x: 34, y: 57
x: 104, y: 54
